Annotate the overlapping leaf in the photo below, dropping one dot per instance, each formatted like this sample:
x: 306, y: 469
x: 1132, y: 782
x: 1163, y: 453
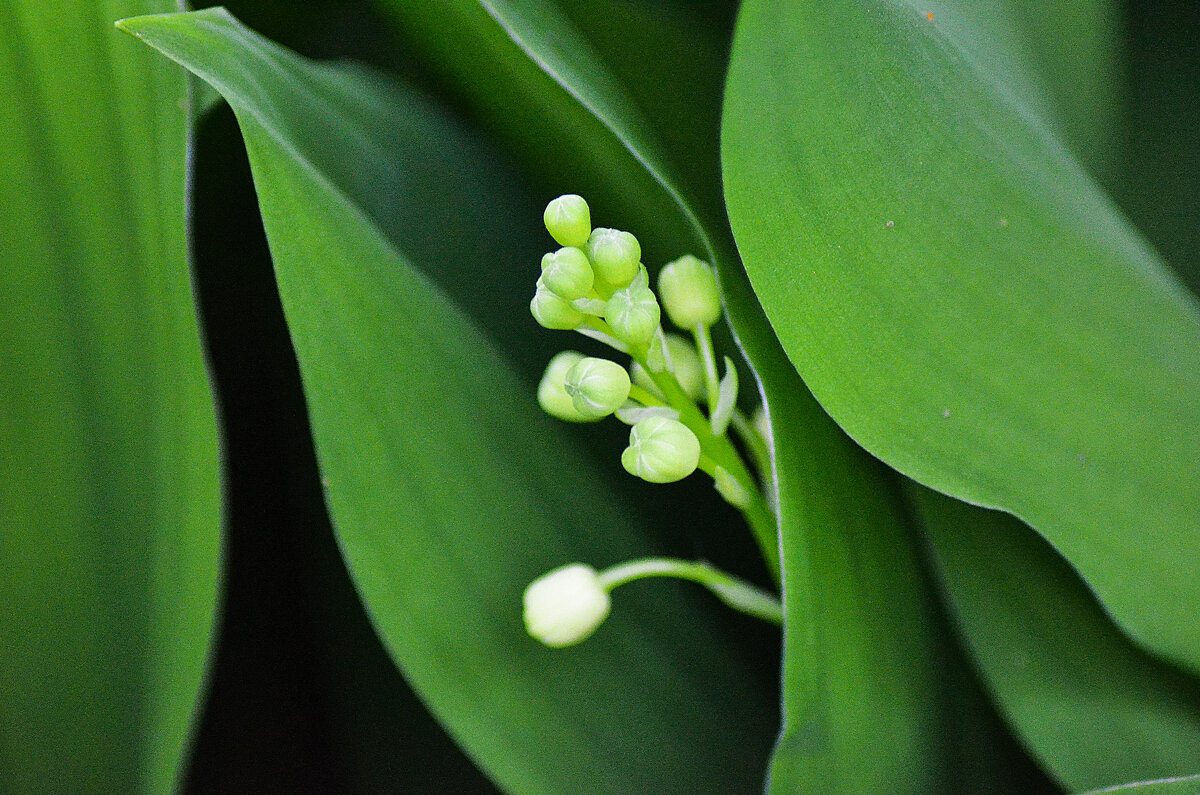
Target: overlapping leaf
x: 858, y: 633
x: 962, y: 299
x: 448, y: 489
x: 108, y: 445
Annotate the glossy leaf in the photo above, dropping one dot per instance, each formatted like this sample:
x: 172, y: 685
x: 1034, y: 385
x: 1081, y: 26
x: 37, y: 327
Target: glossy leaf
x: 962, y: 299
x: 108, y: 446
x: 1092, y: 707
x: 858, y: 631
x: 448, y: 488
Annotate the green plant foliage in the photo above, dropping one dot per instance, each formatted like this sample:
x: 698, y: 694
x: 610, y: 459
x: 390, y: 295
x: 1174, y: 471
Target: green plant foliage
x: 1183, y: 785
x: 108, y: 447
x: 423, y: 432
x: 851, y: 642
x: 961, y: 297
x: 1095, y: 709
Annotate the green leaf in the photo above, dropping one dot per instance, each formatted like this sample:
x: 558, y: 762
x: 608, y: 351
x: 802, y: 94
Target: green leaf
x: 448, y: 488
x: 1092, y: 707
x: 109, y: 484
x: 963, y: 300
x: 858, y: 630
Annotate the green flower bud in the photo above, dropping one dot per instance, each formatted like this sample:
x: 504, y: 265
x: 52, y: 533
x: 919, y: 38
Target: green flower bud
x: 551, y: 393
x: 567, y: 273
x: 552, y: 311
x: 689, y: 293
x: 685, y: 364
x: 565, y: 606
x: 633, y: 315
x: 661, y: 450
x: 597, y: 387
x: 615, y: 255
x: 568, y: 220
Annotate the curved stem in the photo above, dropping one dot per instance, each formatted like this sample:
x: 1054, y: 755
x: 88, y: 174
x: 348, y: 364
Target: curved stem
x: 733, y: 591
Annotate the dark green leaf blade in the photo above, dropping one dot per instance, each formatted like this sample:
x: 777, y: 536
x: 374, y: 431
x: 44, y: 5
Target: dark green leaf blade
x: 963, y: 300
x: 109, y: 457
x: 1094, y: 708
x: 858, y: 630
x: 448, y: 488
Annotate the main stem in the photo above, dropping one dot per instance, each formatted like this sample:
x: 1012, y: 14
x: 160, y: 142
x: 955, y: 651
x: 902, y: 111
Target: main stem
x: 722, y: 452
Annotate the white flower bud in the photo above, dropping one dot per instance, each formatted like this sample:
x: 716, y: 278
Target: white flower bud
x: 551, y: 394
x: 552, y: 311
x: 661, y: 450
x: 565, y: 606
x: 597, y: 387
x: 568, y: 220
x: 633, y: 315
x: 615, y: 255
x: 688, y: 290
x: 567, y: 273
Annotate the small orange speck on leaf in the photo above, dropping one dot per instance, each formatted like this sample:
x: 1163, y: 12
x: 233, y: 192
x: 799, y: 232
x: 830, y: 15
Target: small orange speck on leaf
x: 929, y: 16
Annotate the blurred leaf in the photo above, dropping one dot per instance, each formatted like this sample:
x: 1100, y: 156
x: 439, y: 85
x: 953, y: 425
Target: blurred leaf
x: 963, y: 300
x: 1094, y: 708
x: 448, y: 488
x: 858, y: 630
x: 109, y: 472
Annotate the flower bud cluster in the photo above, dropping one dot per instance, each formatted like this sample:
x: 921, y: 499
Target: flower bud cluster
x: 595, y: 283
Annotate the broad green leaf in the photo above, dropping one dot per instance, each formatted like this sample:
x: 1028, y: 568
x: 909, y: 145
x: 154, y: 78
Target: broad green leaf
x: 448, y: 488
x: 963, y: 300
x: 858, y: 632
x: 109, y: 457
x: 1183, y: 785
x: 1092, y: 707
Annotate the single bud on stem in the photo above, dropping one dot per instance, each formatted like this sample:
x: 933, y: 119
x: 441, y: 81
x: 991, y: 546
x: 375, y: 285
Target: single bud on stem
x: 565, y: 606
x: 553, y: 311
x: 568, y: 220
x: 597, y: 387
x: 684, y: 363
x: 567, y: 273
x: 552, y: 394
x: 661, y: 450
x: 633, y: 315
x: 615, y: 255
x: 689, y: 293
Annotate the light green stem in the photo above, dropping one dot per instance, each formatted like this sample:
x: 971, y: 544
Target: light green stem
x: 733, y: 591
x: 644, y: 397
x: 721, y: 451
x: 712, y: 381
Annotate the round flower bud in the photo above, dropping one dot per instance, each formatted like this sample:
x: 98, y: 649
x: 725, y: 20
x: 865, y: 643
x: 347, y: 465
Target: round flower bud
x: 661, y: 450
x: 597, y: 387
x: 685, y: 364
x: 615, y: 255
x: 688, y: 288
x: 552, y: 311
x: 567, y: 273
x: 568, y: 220
x: 551, y: 394
x: 565, y: 606
x: 633, y: 315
